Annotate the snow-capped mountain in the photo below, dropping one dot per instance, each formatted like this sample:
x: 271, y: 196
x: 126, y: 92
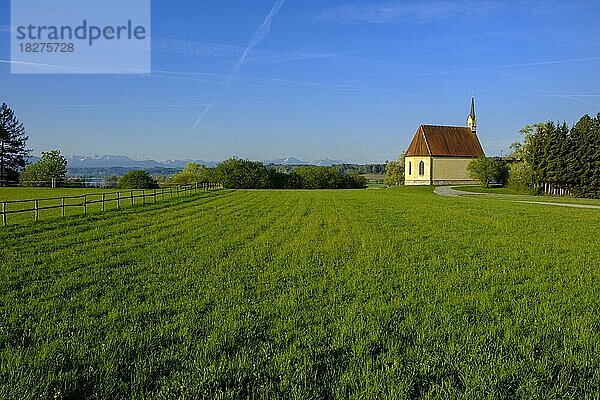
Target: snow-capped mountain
x: 108, y: 161
x: 111, y: 161
x: 294, y: 161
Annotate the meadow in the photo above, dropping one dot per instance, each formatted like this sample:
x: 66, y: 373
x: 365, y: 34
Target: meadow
x: 20, y: 202
x: 394, y: 293
x: 517, y: 196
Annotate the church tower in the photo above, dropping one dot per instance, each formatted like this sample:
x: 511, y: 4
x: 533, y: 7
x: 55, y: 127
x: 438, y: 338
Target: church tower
x: 472, y: 119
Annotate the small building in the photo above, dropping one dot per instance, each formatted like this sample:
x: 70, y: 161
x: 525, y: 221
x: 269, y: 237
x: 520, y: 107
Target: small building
x: 439, y: 155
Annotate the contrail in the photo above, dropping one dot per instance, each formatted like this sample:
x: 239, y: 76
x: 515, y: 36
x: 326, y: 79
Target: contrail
x: 200, y: 117
x: 261, y: 32
x: 531, y: 64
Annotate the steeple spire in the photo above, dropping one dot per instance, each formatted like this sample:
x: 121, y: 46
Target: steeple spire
x: 472, y: 119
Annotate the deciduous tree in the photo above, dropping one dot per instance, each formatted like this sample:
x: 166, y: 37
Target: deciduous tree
x: 136, y: 180
x: 52, y: 167
x: 487, y: 170
x: 394, y: 172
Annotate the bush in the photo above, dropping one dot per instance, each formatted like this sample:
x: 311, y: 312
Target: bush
x: 192, y: 173
x: 487, y: 170
x: 137, y: 180
x: 242, y: 174
x: 520, y: 178
x: 394, y: 172
x: 52, y: 165
x: 353, y: 180
x: 320, y: 177
x: 34, y: 176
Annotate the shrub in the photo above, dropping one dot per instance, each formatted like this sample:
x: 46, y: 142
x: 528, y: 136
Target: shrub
x: 33, y: 176
x: 487, y: 170
x: 52, y: 165
x: 192, y: 173
x: 353, y: 180
x: 394, y: 172
x: 137, y: 180
x: 320, y: 177
x: 520, y: 178
x: 242, y: 174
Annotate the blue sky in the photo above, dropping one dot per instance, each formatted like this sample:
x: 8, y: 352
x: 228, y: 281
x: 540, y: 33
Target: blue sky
x: 346, y: 79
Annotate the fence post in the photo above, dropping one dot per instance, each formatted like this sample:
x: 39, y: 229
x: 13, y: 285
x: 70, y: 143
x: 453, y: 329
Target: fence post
x: 102, y: 202
x: 143, y: 196
x: 131, y: 195
x: 154, y: 196
x: 118, y: 199
x: 37, y: 211
x: 85, y: 203
x: 162, y: 193
x: 171, y: 191
x: 4, y: 213
x: 62, y: 203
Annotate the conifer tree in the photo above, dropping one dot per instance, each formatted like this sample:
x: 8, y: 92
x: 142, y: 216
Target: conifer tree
x: 13, y: 152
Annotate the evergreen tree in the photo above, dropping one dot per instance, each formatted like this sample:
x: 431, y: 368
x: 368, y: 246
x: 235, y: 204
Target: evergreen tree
x: 13, y: 152
x: 562, y: 158
x: 584, y: 158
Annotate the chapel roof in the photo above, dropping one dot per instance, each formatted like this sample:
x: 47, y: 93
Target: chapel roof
x: 448, y: 141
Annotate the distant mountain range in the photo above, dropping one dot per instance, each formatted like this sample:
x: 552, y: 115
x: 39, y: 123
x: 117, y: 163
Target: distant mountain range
x: 294, y: 161
x: 111, y: 164
x: 108, y: 161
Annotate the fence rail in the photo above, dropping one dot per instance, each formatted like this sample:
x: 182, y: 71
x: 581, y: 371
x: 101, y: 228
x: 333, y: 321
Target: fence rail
x: 84, y: 200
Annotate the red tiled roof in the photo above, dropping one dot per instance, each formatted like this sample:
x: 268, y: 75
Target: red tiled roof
x: 448, y: 141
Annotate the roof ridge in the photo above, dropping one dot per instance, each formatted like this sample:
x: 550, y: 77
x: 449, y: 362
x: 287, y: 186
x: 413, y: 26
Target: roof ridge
x: 446, y: 126
x: 426, y: 141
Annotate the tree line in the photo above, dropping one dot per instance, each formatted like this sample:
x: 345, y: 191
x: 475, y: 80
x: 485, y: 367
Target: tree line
x: 553, y: 158
x: 557, y: 159
x: 236, y: 173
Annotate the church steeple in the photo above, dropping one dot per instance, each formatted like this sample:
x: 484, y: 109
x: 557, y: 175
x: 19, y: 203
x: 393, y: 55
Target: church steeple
x: 472, y: 119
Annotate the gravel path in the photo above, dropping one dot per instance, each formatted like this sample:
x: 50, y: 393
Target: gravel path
x: 450, y: 192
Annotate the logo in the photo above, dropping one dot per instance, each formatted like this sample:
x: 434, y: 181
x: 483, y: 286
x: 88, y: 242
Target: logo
x: 80, y: 37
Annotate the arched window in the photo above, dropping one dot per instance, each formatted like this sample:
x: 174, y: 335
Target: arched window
x: 410, y: 168
x: 421, y: 168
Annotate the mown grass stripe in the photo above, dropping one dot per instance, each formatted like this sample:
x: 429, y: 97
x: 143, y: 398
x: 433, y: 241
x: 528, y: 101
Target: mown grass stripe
x: 302, y: 294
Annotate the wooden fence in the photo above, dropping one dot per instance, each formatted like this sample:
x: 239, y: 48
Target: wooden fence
x: 102, y: 199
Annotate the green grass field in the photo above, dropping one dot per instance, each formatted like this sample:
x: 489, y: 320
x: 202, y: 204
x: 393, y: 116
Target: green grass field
x: 542, y: 198
x: 23, y: 193
x: 375, y: 181
x: 48, y: 197
x: 394, y: 293
x: 490, y: 190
